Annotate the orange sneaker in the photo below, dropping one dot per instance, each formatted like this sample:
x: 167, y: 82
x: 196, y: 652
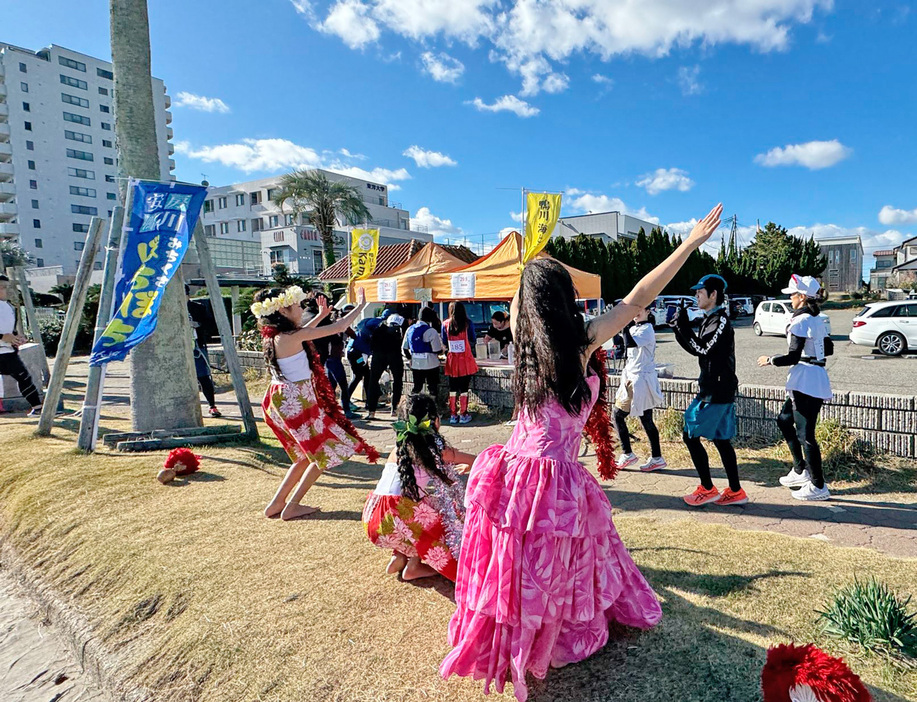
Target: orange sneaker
x: 730, y: 497
x: 702, y: 496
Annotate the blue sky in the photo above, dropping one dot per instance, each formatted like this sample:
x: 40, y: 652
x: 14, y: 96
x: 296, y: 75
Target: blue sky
x: 796, y: 111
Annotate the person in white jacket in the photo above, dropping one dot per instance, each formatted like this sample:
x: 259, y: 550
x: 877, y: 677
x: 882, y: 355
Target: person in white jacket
x: 639, y: 392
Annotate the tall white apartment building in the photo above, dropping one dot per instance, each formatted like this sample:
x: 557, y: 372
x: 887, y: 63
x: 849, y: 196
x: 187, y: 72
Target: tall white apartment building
x: 57, y: 149
x: 608, y: 226
x: 247, y: 211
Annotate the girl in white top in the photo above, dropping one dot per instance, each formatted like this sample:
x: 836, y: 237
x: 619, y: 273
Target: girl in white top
x: 639, y: 392
x: 807, y: 387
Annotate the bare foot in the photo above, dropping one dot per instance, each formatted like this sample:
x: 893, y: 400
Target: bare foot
x: 274, y: 509
x: 416, y: 570
x: 397, y: 564
x: 294, y: 511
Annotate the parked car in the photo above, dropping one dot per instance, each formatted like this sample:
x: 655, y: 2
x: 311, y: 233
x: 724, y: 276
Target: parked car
x: 743, y: 306
x: 695, y: 313
x: 773, y: 317
x: 889, y: 326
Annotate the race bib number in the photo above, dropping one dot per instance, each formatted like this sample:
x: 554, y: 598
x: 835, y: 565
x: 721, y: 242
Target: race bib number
x: 421, y: 356
x: 456, y: 346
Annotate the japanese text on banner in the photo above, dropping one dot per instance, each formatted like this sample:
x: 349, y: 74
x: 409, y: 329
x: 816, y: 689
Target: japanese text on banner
x: 364, y: 248
x: 542, y: 211
x: 157, y: 234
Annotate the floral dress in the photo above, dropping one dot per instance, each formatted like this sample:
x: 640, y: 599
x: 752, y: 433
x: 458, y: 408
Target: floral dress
x: 430, y: 528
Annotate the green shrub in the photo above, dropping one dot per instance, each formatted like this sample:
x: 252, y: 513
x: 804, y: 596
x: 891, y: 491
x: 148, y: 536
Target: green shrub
x: 871, y: 616
x: 844, y: 455
x: 51, y: 330
x: 249, y: 340
x: 671, y: 424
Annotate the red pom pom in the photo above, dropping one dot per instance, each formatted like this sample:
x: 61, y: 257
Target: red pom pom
x: 268, y: 331
x: 182, y: 461
x: 598, y: 426
x: 829, y: 678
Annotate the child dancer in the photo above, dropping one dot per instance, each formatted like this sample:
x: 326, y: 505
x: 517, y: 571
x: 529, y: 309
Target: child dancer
x: 542, y: 570
x: 639, y: 392
x: 417, y: 509
x: 807, y: 388
x: 458, y: 340
x: 300, y: 405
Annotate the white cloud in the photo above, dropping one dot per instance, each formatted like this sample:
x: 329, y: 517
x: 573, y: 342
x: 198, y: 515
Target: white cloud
x: 507, y: 103
x: 581, y: 202
x: 666, y: 179
x: 351, y: 21
x: 516, y: 216
x: 272, y: 155
x: 688, y: 80
x: 424, y: 220
x: 603, y: 80
x: 304, y: 7
x: 428, y: 159
x: 814, y: 155
x: 200, y: 103
x: 889, y: 216
x: 442, y: 67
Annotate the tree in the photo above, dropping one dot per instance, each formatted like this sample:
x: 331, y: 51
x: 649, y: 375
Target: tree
x: 324, y: 201
x: 774, y: 255
x: 13, y: 255
x: 65, y: 290
x: 164, y: 392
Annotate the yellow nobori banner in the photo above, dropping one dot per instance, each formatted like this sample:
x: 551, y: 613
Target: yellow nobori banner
x: 364, y: 248
x: 541, y: 213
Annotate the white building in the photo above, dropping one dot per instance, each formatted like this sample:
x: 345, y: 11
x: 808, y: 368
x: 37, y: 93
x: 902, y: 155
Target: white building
x: 57, y: 149
x: 608, y: 226
x: 247, y: 211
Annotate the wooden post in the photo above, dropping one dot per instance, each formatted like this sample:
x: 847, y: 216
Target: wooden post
x: 71, y: 326
x: 229, y: 344
x: 236, y: 317
x: 32, y: 319
x: 89, y: 418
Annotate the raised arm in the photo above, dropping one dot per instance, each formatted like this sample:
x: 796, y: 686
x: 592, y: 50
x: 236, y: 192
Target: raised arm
x: 604, y: 327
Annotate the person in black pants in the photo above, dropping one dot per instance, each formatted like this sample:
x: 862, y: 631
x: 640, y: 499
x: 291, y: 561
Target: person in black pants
x: 202, y: 321
x: 10, y: 341
x: 386, y: 356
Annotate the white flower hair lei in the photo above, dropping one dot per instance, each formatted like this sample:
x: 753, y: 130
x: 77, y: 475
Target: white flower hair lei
x: 289, y: 297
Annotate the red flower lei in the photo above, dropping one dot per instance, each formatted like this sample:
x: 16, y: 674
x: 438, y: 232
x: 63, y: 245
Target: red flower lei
x: 598, y: 426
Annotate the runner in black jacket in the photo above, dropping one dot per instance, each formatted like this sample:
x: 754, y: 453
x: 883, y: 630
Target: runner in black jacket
x: 712, y: 412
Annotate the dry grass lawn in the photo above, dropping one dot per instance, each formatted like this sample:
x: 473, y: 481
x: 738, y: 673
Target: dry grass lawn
x: 199, y: 597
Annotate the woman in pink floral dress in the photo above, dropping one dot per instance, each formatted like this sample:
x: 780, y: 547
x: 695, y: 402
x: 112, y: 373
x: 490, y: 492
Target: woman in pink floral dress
x: 542, y: 569
x: 417, y: 509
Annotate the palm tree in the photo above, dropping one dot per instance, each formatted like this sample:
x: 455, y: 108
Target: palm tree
x: 163, y: 381
x: 325, y: 201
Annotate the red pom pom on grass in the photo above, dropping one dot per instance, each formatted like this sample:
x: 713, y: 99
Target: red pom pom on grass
x: 183, y: 461
x: 789, y: 666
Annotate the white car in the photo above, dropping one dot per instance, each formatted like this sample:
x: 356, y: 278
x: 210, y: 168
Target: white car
x: 890, y: 326
x: 774, y: 316
x: 695, y: 313
x: 748, y: 307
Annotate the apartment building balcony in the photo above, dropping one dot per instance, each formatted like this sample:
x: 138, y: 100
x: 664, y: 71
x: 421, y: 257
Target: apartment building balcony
x: 171, y: 149
x: 171, y: 164
x: 168, y: 117
x: 169, y: 133
x: 6, y: 171
x: 9, y: 230
x: 168, y: 101
x: 6, y: 151
x: 4, y: 132
x: 2, y: 92
x: 4, y: 112
x: 7, y: 192
x: 8, y: 210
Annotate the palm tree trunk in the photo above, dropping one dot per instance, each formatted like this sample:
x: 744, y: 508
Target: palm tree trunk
x: 328, y: 247
x: 164, y: 392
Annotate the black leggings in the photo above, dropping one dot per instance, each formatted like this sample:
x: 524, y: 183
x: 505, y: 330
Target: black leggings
x: 11, y: 364
x: 702, y: 462
x: 646, y: 419
x: 797, y: 421
x: 360, y: 370
x: 381, y: 363
x: 206, y: 383
x: 430, y: 377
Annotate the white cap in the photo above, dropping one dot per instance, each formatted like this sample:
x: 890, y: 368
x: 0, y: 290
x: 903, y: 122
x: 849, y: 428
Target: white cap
x: 805, y: 284
x: 394, y: 320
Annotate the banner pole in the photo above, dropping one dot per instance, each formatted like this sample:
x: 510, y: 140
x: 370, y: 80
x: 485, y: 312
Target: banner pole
x: 522, y: 243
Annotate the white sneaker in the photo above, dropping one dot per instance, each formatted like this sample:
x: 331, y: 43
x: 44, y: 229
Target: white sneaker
x: 626, y: 459
x: 810, y: 493
x: 653, y: 464
x: 794, y: 479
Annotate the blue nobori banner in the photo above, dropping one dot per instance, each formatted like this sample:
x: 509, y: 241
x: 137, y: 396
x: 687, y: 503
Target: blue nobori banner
x: 157, y: 234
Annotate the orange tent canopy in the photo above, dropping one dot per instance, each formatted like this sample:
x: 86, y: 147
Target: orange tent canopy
x: 412, y: 275
x: 496, y: 276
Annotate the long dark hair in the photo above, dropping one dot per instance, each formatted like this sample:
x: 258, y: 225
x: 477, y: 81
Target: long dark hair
x: 550, y: 338
x: 428, y: 316
x: 424, y: 450
x: 270, y: 326
x: 458, y: 318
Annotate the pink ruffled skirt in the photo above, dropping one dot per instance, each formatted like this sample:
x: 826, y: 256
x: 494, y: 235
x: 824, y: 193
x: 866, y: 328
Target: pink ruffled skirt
x: 541, y: 573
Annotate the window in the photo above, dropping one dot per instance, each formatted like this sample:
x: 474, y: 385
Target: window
x: 273, y: 221
x: 103, y: 91
x: 108, y: 161
x: 109, y: 179
x: 111, y: 196
x: 24, y: 87
x: 256, y: 224
x: 382, y: 201
x: 70, y: 63
x: 34, y: 204
x: 36, y: 223
x: 28, y: 126
x: 318, y: 263
x: 224, y: 227
x: 81, y: 228
x: 23, y: 68
x: 209, y: 230
x: 74, y: 100
x: 73, y: 82
x: 105, y: 108
x: 84, y: 192
x: 221, y: 203
x: 908, y: 311
x: 290, y: 218
x: 96, y: 265
x: 78, y: 245
x: 38, y: 243
x: 40, y: 262
x: 30, y: 146
x: 81, y: 173
x: 240, y: 199
x: 240, y: 225
x: 84, y: 210
x: 276, y: 257
x: 33, y: 184
x: 106, y: 127
x: 256, y: 197
x: 77, y: 136
x: 270, y: 193
x: 26, y: 107
x: 208, y: 206
x: 102, y: 73
x: 77, y: 119
x: 31, y: 165
x: 82, y: 155
x: 884, y: 312
x: 106, y: 143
